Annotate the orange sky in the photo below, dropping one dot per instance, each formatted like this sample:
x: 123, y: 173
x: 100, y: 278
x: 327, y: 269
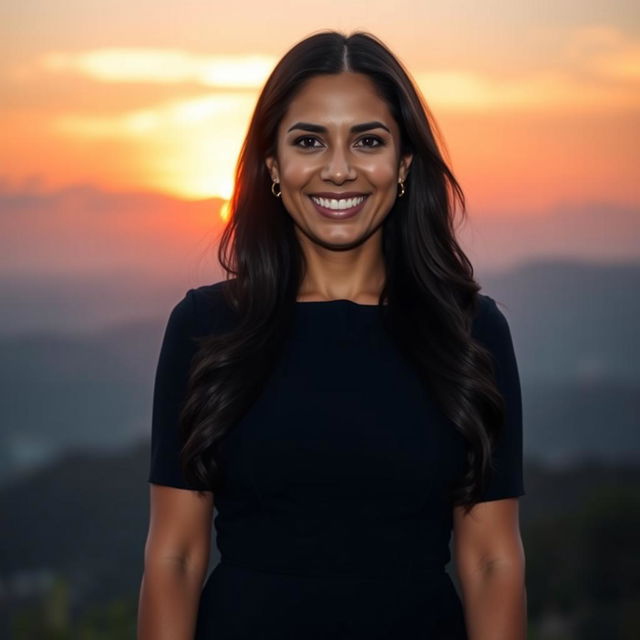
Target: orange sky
x: 539, y: 108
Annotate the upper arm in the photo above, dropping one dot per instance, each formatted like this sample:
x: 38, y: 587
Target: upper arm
x: 490, y: 532
x: 180, y: 523
x: 505, y: 479
x: 169, y: 394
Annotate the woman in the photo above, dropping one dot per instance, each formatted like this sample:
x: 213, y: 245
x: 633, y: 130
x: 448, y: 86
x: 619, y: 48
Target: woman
x: 348, y: 398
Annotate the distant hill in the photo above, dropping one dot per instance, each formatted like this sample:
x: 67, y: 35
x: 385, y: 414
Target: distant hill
x: 574, y: 327
x: 572, y: 319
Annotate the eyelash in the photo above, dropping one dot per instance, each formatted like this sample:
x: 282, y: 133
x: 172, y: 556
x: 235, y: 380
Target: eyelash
x: 380, y: 141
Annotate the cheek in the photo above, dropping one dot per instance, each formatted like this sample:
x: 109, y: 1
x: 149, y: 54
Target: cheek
x: 295, y: 174
x: 382, y: 175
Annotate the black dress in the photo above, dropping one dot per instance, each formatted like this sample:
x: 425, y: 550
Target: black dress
x: 334, y: 521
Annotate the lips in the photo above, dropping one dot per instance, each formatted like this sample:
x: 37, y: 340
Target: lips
x: 339, y: 214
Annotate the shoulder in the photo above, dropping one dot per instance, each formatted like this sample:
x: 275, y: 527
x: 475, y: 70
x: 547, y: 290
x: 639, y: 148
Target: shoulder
x: 204, y: 309
x: 208, y: 297
x: 487, y: 314
x: 490, y: 325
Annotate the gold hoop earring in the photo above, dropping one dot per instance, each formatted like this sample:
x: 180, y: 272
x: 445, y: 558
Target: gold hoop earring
x: 277, y: 195
x: 401, y: 183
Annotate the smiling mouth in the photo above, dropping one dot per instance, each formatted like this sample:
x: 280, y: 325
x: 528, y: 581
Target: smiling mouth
x: 338, y: 212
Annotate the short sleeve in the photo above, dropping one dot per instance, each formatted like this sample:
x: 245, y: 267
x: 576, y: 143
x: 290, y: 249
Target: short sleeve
x: 177, y: 350
x: 492, y: 329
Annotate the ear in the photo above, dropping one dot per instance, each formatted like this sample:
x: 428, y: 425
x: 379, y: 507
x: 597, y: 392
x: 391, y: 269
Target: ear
x: 272, y: 167
x: 405, y: 163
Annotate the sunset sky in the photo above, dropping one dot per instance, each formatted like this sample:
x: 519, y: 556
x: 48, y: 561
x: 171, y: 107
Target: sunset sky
x: 538, y: 102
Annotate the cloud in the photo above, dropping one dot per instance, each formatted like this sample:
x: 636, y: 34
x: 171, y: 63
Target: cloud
x: 549, y: 90
x: 163, y: 118
x: 595, y: 67
x: 605, y: 51
x: 162, y: 66
x: 587, y: 57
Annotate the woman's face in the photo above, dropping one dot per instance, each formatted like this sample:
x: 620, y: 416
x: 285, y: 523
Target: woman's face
x: 319, y: 153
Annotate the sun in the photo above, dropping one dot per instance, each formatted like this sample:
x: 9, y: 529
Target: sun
x: 225, y: 210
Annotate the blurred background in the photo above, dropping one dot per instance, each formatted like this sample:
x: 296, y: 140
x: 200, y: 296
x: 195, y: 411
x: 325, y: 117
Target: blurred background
x: 120, y: 127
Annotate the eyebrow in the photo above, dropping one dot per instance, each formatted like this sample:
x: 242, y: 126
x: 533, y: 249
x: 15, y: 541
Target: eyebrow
x: 357, y: 128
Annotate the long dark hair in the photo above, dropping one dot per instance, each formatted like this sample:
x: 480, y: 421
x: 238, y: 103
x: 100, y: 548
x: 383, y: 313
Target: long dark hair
x: 430, y: 292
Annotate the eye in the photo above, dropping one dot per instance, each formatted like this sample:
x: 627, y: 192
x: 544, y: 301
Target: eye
x: 375, y: 139
x: 297, y: 141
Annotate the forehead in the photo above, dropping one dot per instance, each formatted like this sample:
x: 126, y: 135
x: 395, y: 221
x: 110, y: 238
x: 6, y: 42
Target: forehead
x: 338, y: 100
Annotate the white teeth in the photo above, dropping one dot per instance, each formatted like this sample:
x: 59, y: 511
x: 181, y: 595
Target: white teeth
x: 338, y: 205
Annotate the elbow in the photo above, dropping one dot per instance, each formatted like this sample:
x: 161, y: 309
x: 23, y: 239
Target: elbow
x: 509, y: 563
x: 511, y: 570
x: 192, y: 560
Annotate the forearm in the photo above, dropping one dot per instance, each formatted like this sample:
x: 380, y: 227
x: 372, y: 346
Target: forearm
x: 495, y: 603
x: 168, y: 603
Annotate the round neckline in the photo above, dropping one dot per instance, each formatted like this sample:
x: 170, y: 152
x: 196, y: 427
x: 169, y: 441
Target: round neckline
x: 337, y: 301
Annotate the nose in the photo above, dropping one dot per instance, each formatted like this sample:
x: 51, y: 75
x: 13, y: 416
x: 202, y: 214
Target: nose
x: 338, y: 166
